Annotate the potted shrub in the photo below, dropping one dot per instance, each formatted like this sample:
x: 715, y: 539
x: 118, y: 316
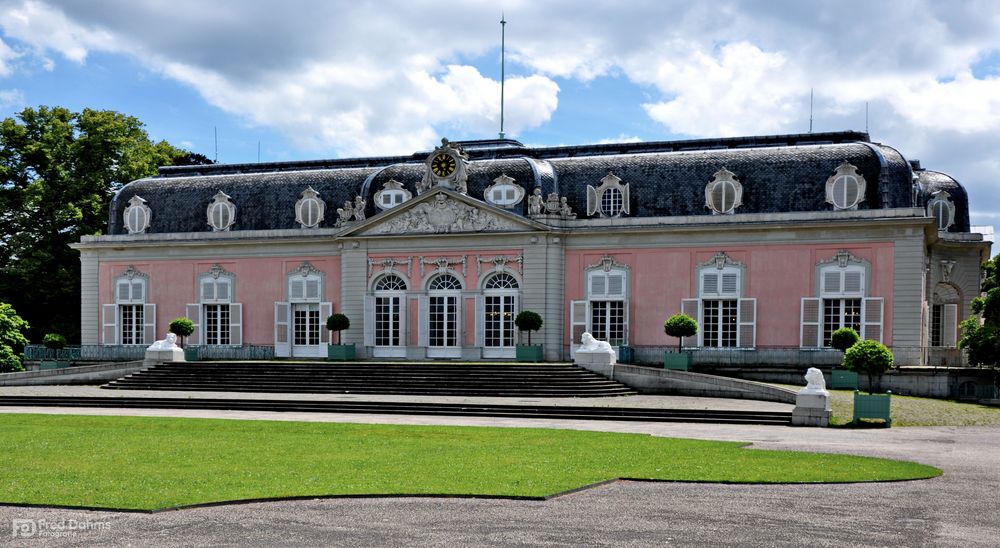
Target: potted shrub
x: 183, y: 327
x: 680, y: 326
x: 842, y: 339
x: 871, y: 358
x: 528, y: 321
x: 54, y: 342
x: 335, y: 351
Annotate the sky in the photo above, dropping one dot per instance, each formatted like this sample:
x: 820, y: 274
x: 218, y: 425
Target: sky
x: 242, y: 80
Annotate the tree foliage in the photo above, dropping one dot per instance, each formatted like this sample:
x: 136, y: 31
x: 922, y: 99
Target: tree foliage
x: 529, y: 321
x: 337, y: 323
x: 870, y: 357
x: 58, y: 172
x: 12, y: 340
x: 55, y: 341
x: 182, y: 327
x: 981, y: 333
x: 680, y: 326
x: 844, y: 338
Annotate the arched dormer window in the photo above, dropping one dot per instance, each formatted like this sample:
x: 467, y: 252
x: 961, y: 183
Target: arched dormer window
x: 137, y: 216
x: 845, y: 189
x: 611, y: 199
x: 942, y: 209
x: 724, y: 193
x: 310, y: 209
x: 221, y: 212
x: 504, y: 192
x: 391, y: 195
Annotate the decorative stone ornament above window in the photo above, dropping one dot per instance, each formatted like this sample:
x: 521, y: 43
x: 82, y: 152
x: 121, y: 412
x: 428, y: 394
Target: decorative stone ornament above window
x: 942, y: 209
x: 608, y: 200
x: 504, y: 192
x: 221, y: 213
x: 447, y: 166
x: 391, y: 195
x: 310, y: 209
x: 137, y: 216
x: 723, y: 194
x: 845, y: 189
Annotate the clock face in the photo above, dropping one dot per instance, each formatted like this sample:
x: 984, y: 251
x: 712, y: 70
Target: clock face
x: 443, y: 165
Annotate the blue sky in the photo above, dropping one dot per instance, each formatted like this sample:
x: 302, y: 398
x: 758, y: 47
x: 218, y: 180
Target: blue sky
x: 315, y: 79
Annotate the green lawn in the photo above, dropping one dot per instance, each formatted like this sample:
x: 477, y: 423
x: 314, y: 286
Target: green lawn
x: 151, y: 463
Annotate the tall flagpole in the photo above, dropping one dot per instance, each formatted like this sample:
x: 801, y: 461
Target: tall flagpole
x: 503, y: 31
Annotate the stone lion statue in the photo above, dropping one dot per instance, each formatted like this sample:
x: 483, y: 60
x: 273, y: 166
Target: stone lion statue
x: 590, y: 344
x: 167, y: 343
x: 815, y: 383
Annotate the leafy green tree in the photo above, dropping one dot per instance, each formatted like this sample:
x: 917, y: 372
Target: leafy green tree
x: 12, y: 340
x: 58, y: 172
x: 337, y: 323
x: 529, y: 321
x: 870, y: 357
x: 680, y: 326
x: 981, y: 333
x: 844, y: 338
x: 182, y: 327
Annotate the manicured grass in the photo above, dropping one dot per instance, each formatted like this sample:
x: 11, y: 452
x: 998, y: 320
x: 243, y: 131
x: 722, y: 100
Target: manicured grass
x: 151, y: 463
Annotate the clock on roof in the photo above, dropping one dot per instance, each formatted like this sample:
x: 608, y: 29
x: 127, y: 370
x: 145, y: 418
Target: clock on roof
x: 446, y: 167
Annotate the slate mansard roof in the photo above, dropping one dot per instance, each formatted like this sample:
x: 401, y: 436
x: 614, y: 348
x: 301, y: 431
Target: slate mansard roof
x: 785, y: 173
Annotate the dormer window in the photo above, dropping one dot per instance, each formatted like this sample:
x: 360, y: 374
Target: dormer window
x: 504, y: 192
x: 724, y: 193
x: 310, y: 209
x: 942, y: 209
x: 845, y: 189
x: 391, y: 195
x: 611, y: 199
x: 221, y: 213
x: 137, y: 216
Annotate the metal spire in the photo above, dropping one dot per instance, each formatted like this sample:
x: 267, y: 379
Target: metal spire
x: 503, y: 31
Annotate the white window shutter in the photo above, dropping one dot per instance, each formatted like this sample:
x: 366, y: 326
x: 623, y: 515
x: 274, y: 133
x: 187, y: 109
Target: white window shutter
x: 692, y: 307
x: 109, y: 322
x: 207, y: 291
x: 423, y: 306
x: 312, y: 289
x: 124, y: 291
x: 296, y: 290
x: 148, y: 323
x: 871, y: 318
x: 282, y: 346
x: 193, y: 313
x: 592, y: 201
x: 598, y: 285
x: 831, y: 282
x: 370, y: 320
x: 222, y: 292
x: 480, y: 313
x: 616, y: 285
x: 138, y: 292
x: 325, y: 310
x: 949, y: 325
x: 236, y: 324
x: 809, y: 329
x: 578, y: 324
x: 852, y: 283
x: 709, y: 284
x: 730, y: 284
x: 747, y: 323
x: 625, y: 200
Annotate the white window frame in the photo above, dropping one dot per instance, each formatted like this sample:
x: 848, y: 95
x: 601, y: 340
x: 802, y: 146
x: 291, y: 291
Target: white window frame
x: 304, y: 287
x: 371, y: 323
x: 131, y: 290
x: 722, y: 284
x: 507, y: 295
x: 210, y: 293
x: 443, y: 351
x: 846, y: 277
x: 608, y: 284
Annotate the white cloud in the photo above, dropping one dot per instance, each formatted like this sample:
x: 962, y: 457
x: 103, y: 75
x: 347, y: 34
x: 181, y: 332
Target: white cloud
x: 6, y: 56
x: 11, y: 97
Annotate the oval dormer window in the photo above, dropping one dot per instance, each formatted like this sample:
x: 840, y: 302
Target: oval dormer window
x: 845, y: 189
x: 942, y: 209
x: 391, y: 195
x: 724, y: 193
x: 221, y: 213
x: 310, y: 209
x: 137, y: 216
x: 504, y: 192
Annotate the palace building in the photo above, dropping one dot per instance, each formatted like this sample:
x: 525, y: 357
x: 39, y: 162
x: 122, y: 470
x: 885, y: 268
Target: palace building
x: 771, y: 243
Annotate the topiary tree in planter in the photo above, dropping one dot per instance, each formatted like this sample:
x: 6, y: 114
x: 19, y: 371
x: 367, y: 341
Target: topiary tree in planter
x: 55, y: 341
x: 337, y: 323
x: 869, y: 357
x: 182, y: 327
x: 528, y: 321
x: 680, y: 326
x: 844, y: 338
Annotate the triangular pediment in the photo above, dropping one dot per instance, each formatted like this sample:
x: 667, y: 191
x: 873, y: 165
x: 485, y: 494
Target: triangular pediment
x: 442, y: 211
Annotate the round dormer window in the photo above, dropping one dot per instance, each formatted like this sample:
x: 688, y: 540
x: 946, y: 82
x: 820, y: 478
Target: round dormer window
x: 723, y: 194
x: 137, y: 216
x: 942, y: 209
x: 310, y: 209
x: 845, y: 189
x: 221, y: 213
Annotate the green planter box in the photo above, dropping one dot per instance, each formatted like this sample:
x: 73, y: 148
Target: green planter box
x: 842, y: 379
x: 191, y: 354
x: 626, y: 354
x: 53, y: 364
x: 529, y: 353
x: 678, y: 361
x: 340, y: 351
x: 873, y: 406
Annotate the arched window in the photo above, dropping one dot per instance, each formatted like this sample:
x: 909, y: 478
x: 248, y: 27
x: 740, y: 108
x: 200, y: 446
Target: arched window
x: 388, y: 308
x: 610, y: 199
x: 845, y: 189
x: 499, y: 308
x: 443, y: 294
x: 944, y: 316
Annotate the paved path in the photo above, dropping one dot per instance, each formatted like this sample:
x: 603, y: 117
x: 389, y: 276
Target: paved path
x: 958, y: 509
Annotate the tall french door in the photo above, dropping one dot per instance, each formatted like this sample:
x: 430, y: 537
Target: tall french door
x: 499, y: 332
x: 443, y: 327
x: 306, y: 329
x: 389, y: 341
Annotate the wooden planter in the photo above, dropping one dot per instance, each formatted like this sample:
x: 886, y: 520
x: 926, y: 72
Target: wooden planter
x: 340, y: 352
x: 678, y: 361
x: 842, y: 379
x: 529, y: 353
x: 873, y: 406
x: 191, y: 354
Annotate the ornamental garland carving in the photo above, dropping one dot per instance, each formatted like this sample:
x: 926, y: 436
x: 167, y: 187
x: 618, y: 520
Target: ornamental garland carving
x: 217, y: 272
x: 842, y: 259
x: 131, y: 273
x: 389, y: 264
x: 442, y: 263
x: 305, y: 269
x: 720, y: 260
x: 499, y: 262
x: 443, y: 215
x: 607, y: 263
